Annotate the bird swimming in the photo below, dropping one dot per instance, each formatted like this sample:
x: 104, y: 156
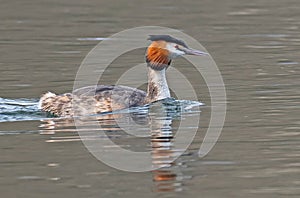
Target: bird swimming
x: 107, y: 98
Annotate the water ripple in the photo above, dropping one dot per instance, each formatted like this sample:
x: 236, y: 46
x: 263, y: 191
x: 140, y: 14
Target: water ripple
x: 19, y: 110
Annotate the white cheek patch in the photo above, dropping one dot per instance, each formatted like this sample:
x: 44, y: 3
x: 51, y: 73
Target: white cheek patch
x: 174, y: 52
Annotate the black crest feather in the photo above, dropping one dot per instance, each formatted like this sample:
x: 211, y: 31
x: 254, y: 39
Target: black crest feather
x: 166, y: 38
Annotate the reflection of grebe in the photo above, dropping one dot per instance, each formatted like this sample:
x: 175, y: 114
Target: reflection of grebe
x: 103, y: 98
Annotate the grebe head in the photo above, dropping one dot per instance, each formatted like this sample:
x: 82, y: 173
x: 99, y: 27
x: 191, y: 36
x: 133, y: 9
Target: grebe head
x: 164, y: 48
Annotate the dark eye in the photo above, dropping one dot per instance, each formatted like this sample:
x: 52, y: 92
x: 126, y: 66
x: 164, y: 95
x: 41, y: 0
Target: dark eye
x: 176, y: 46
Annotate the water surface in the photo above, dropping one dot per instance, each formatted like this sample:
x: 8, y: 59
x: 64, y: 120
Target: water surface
x: 255, y: 45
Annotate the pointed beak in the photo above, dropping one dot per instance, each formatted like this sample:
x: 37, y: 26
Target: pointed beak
x: 190, y: 51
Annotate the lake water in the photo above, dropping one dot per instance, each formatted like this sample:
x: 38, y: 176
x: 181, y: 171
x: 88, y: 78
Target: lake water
x: 256, y: 46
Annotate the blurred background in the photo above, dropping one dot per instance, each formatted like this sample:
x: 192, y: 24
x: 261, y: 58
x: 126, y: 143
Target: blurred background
x: 256, y: 46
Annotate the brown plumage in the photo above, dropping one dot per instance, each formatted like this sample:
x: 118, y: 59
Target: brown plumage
x: 101, y: 98
x: 92, y: 100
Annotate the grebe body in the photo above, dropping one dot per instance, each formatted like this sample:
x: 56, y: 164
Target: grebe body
x: 107, y: 98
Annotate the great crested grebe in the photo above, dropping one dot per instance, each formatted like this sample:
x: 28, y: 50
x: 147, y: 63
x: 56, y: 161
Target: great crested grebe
x: 103, y: 98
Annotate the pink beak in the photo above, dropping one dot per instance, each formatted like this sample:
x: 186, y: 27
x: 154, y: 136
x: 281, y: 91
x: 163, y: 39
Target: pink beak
x: 190, y: 51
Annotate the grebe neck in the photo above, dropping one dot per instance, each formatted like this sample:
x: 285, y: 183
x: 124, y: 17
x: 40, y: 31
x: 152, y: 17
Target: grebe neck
x: 157, y: 85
